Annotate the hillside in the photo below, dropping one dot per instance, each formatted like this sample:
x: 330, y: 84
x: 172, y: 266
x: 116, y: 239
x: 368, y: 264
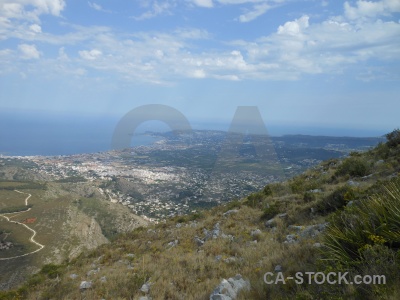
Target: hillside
x: 340, y: 216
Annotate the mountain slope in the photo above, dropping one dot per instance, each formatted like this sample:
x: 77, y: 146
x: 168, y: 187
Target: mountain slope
x: 341, y: 216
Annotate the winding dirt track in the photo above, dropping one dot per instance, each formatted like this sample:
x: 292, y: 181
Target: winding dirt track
x: 32, y: 240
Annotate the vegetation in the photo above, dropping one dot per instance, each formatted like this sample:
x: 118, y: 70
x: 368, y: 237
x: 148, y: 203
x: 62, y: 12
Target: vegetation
x: 355, y: 200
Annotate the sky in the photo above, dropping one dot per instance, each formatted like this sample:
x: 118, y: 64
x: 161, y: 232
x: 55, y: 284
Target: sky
x: 307, y: 65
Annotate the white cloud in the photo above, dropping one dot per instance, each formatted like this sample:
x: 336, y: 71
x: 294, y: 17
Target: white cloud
x: 257, y: 11
x: 157, y: 8
x: 30, y: 9
x: 203, y: 3
x: 90, y: 55
x: 297, y: 47
x: 29, y: 51
x: 370, y: 9
x: 35, y: 28
x: 98, y: 7
x: 294, y: 27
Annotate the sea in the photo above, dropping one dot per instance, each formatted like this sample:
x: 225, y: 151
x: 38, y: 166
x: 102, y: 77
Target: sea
x: 28, y: 134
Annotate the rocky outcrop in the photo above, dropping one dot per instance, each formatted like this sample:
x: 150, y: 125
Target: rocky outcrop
x: 229, y: 289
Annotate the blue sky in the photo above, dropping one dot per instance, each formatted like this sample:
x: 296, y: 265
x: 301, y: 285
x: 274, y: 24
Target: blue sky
x: 305, y: 64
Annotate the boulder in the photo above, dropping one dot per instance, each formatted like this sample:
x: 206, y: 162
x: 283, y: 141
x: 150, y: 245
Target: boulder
x: 228, y: 289
x: 85, y: 285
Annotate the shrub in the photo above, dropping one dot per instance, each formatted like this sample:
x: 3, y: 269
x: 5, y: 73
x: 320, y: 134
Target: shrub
x: 353, y: 166
x: 375, y: 221
x: 255, y: 199
x: 270, y: 211
x: 337, y: 199
x: 393, y: 138
x: 308, y: 197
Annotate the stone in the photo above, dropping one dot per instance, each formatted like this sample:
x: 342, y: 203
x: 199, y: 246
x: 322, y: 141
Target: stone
x: 282, y: 216
x: 290, y: 239
x: 270, y: 223
x: 317, y: 245
x: 199, y: 242
x: 73, y: 276
x: 103, y: 279
x: 179, y: 225
x: 229, y: 212
x: 85, y: 285
x: 92, y: 272
x: 353, y: 183
x: 255, y: 232
x: 278, y: 268
x: 145, y: 288
x: 228, y: 289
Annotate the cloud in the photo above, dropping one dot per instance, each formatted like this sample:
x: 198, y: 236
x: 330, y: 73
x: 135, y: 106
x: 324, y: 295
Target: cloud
x: 369, y: 9
x: 297, y: 47
x: 30, y: 9
x: 294, y: 27
x: 90, y: 55
x: 204, y: 3
x: 29, y: 51
x: 35, y: 28
x: 157, y: 9
x: 98, y: 7
x: 257, y: 11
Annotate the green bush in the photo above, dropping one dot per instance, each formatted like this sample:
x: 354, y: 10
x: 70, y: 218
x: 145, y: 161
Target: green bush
x: 269, y: 212
x: 375, y: 221
x: 309, y: 197
x: 337, y: 199
x: 255, y: 199
x: 393, y: 138
x: 353, y: 166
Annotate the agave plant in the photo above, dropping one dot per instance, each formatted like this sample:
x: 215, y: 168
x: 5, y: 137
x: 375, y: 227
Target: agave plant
x: 373, y: 221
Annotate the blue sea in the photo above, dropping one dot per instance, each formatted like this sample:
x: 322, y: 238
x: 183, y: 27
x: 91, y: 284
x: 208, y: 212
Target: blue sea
x: 24, y: 135
x: 27, y: 133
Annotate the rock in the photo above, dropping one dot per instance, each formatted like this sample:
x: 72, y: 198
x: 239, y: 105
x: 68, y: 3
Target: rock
x: 85, y: 285
x: 215, y: 233
x: 130, y: 255
x: 173, y: 243
x: 179, y: 225
x: 145, y: 288
x: 270, y: 223
x: 278, y: 268
x: 315, y: 191
x: 317, y: 245
x: 290, y: 239
x: 353, y: 183
x: 313, y: 230
x: 283, y: 216
x: 199, y: 242
x: 228, y: 289
x: 296, y: 228
x: 73, y: 276
x: 92, y: 272
x: 144, y: 298
x: 218, y: 257
x: 229, y: 212
x: 229, y: 260
x: 350, y: 203
x: 255, y: 232
x: 229, y: 236
x: 103, y: 279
